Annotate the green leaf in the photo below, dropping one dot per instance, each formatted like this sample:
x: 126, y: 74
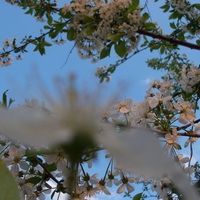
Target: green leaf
x: 41, y: 46
x: 137, y: 196
x: 196, y: 5
x: 36, y: 47
x: 48, y: 44
x: 165, y: 8
x: 181, y: 36
x: 49, y: 18
x: 71, y: 34
x: 89, y: 30
x: 172, y: 25
x: 115, y: 37
x: 111, y: 69
x: 174, y: 15
x: 30, y: 11
x: 162, y: 49
x: 59, y: 28
x: 149, y: 26
x: 145, y: 16
x: 105, y: 52
x: 87, y: 18
x: 133, y: 6
x: 198, y: 42
x: 51, y: 167
x: 8, y: 186
x: 33, y: 180
x: 47, y: 27
x: 4, y: 98
x: 65, y: 15
x: 10, y: 102
x: 101, y: 79
x: 120, y: 48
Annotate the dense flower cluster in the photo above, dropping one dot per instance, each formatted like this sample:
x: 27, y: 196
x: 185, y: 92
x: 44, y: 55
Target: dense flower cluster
x: 182, y: 6
x: 102, y: 23
x: 188, y: 11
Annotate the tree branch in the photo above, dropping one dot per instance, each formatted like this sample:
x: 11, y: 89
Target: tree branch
x: 188, y: 125
x: 159, y: 131
x: 46, y: 170
x: 170, y: 40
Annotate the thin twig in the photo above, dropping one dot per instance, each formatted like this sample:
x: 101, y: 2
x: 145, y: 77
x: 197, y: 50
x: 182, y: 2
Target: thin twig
x: 46, y: 170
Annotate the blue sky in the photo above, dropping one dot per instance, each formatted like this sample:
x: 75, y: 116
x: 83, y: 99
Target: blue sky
x: 15, y: 24
x: 19, y: 78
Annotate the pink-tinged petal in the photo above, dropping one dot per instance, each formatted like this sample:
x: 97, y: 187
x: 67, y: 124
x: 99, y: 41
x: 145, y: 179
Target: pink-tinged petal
x: 106, y: 191
x: 153, y: 102
x: 124, y: 110
x: 15, y: 169
x: 185, y: 160
x: 177, y: 106
x: 189, y: 170
x: 109, y: 183
x: 169, y: 138
x: 23, y: 165
x: 190, y: 114
x: 197, y: 127
x: 130, y: 188
x: 120, y: 189
x: 186, y: 143
x: 182, y: 119
x: 117, y: 182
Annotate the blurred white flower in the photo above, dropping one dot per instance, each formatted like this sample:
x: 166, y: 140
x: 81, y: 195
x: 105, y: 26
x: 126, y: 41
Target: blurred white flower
x: 70, y: 115
x: 139, y: 152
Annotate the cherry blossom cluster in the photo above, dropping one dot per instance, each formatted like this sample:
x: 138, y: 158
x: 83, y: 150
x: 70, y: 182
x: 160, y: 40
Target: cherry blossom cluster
x: 103, y: 21
x: 181, y: 6
x: 5, y: 56
x: 190, y: 78
x: 18, y: 2
x: 184, y: 8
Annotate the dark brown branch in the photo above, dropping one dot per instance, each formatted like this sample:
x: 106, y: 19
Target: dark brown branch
x: 46, y: 170
x: 166, y: 132
x: 188, y: 125
x: 159, y: 132
x: 170, y: 40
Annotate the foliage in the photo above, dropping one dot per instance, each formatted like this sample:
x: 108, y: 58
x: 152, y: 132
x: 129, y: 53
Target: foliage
x: 61, y: 141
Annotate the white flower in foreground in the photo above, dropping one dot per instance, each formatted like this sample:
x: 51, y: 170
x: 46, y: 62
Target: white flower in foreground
x: 73, y: 115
